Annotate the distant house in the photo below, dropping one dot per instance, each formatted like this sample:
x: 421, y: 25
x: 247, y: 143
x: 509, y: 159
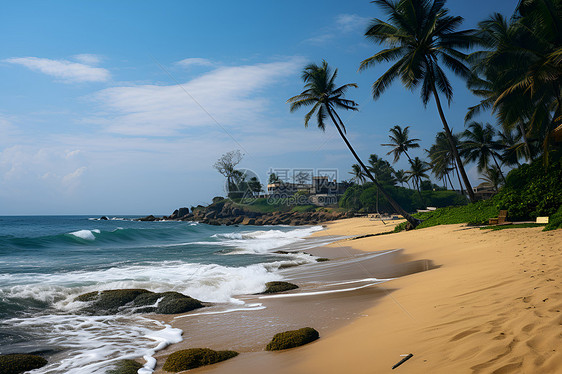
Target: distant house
x: 321, y: 192
x: 483, y: 191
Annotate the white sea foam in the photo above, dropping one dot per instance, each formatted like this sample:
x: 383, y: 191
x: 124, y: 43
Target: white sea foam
x: 86, y: 234
x: 263, y: 241
x: 95, y: 342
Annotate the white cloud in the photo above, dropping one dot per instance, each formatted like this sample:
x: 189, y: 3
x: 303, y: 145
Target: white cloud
x: 69, y: 72
x: 348, y: 23
x: 88, y: 59
x: 345, y: 24
x: 188, y: 62
x: 231, y: 95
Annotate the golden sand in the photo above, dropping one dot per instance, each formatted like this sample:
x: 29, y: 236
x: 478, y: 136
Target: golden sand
x: 493, y: 304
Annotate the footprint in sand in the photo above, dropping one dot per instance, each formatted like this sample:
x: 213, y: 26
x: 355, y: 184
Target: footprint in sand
x: 528, y: 327
x: 463, y: 334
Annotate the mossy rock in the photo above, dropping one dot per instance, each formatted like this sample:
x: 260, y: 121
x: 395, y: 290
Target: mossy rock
x: 322, y: 259
x: 175, y: 302
x: 126, y: 367
x: 143, y: 301
x: 274, y: 287
x: 195, y: 357
x: 291, y: 339
x: 20, y: 363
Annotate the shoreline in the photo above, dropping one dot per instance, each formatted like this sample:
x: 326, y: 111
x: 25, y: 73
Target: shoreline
x: 331, y: 294
x: 492, y: 304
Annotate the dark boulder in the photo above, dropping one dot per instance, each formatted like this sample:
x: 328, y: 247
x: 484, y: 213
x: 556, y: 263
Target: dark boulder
x: 138, y: 300
x: 274, y: 287
x: 20, y: 363
x: 195, y: 357
x: 125, y: 367
x: 291, y: 339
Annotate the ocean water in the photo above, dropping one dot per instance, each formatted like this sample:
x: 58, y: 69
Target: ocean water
x: 45, y: 262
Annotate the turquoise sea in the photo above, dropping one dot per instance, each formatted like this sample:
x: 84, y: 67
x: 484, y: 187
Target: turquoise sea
x: 45, y: 262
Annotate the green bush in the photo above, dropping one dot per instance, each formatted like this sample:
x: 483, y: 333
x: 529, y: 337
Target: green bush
x: 304, y: 208
x: 291, y: 339
x: 195, y: 357
x: 126, y: 367
x: 20, y: 363
x: 555, y: 221
x: 532, y: 190
x: 274, y: 287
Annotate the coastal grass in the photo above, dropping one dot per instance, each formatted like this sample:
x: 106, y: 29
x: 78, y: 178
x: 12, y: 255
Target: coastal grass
x: 473, y: 214
x: 195, y: 357
x: 292, y: 339
x: 512, y: 226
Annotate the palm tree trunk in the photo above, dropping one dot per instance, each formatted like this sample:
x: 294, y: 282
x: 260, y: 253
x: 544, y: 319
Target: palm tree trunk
x: 459, y: 176
x: 451, y: 183
x: 413, y: 221
x: 498, y: 166
x: 527, y: 147
x: 419, y: 191
x: 453, y: 146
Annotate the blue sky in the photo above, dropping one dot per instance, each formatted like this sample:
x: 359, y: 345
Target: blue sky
x: 123, y: 107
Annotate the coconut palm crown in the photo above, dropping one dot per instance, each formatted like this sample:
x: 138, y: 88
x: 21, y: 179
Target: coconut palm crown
x: 401, y: 142
x: 420, y: 35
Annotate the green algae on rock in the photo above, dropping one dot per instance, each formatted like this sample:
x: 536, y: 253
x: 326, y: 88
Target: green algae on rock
x: 291, y: 339
x: 20, y: 363
x: 195, y: 357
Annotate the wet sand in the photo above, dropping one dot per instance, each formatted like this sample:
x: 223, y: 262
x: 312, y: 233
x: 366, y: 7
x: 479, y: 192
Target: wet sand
x: 491, y: 302
x: 331, y: 294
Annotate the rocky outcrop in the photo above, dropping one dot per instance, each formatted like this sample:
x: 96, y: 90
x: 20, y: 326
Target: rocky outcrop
x: 20, y: 363
x: 137, y: 300
x: 291, y: 339
x: 275, y: 287
x: 225, y: 212
x: 192, y: 358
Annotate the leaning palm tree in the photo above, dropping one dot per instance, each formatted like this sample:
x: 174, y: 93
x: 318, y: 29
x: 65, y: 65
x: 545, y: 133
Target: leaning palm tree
x: 357, y: 173
x: 420, y: 33
x: 321, y: 92
x: 400, y: 142
x: 479, y: 146
x: 418, y: 171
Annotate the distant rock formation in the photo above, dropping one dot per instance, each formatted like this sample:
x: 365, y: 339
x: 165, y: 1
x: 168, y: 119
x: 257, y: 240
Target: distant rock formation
x: 225, y: 212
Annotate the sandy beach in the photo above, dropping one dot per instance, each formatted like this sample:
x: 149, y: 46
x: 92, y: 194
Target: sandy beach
x: 468, y: 301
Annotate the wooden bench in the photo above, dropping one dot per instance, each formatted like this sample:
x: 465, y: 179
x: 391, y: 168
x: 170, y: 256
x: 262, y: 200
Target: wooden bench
x: 500, y: 220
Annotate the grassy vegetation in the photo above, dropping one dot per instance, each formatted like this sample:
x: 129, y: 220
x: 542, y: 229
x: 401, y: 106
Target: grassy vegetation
x: 474, y: 214
x: 555, y: 221
x: 514, y: 226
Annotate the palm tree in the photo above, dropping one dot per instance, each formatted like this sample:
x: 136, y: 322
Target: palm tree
x: 321, y: 92
x: 400, y: 142
x: 420, y: 34
x: 417, y: 172
x: 479, y: 146
x: 357, y: 173
x: 492, y: 178
x: 519, y: 76
x: 401, y: 177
